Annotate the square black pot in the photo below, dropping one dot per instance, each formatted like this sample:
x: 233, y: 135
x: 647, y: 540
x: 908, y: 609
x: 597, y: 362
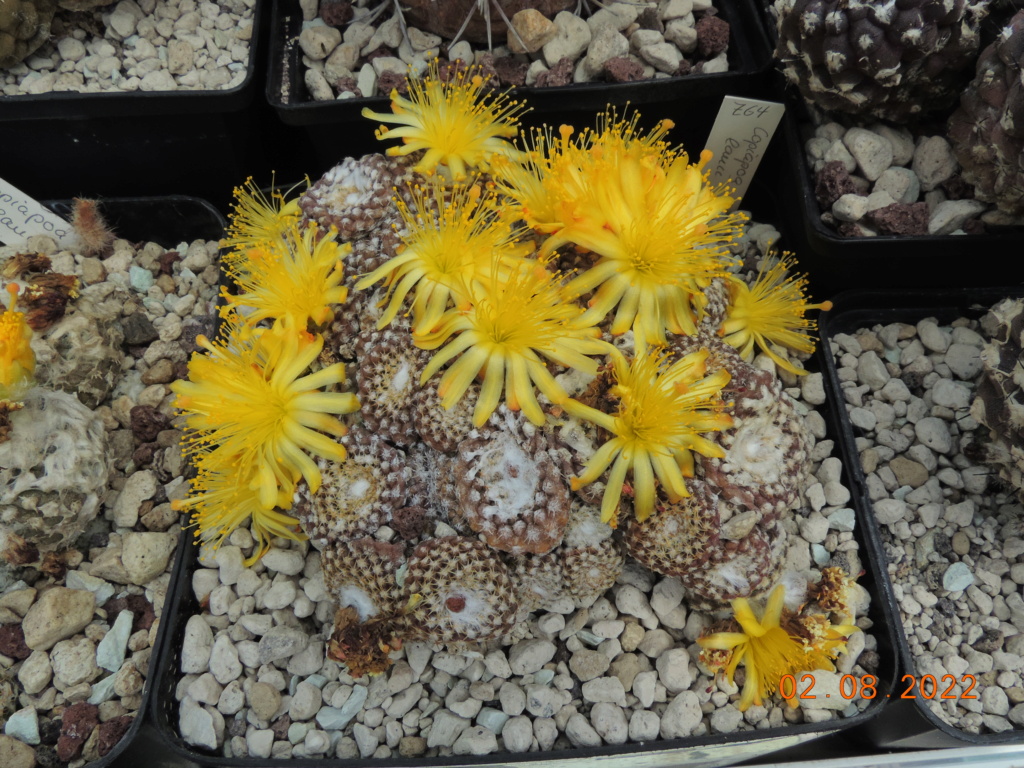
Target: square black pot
x: 909, y: 722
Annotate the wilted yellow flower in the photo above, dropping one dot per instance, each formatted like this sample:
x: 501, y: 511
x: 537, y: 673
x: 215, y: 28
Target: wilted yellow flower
x: 768, y: 651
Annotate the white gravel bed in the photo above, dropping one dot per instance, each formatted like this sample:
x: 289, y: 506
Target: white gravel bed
x: 954, y: 537
x: 254, y: 681
x: 149, y: 45
x: 88, y: 658
x: 619, y: 42
x: 885, y: 180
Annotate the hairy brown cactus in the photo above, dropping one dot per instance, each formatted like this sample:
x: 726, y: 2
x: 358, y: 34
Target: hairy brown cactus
x: 987, y: 131
x: 999, y: 404
x: 891, y: 60
x: 24, y: 26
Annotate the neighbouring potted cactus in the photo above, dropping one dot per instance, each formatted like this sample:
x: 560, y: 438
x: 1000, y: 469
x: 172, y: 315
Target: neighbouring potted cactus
x: 503, y: 380
x: 884, y: 175
x: 88, y: 460
x: 929, y: 382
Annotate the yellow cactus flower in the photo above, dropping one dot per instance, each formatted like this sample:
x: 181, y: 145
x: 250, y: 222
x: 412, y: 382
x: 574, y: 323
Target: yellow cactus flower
x: 257, y: 221
x: 771, y: 311
x: 502, y: 333
x: 453, y: 235
x: 17, y: 360
x: 768, y: 651
x: 660, y: 231
x: 223, y: 497
x: 294, y: 283
x: 662, y: 410
x: 249, y: 397
x: 457, y: 123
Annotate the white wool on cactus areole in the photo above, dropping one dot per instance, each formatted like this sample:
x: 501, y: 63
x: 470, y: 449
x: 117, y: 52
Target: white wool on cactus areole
x: 400, y: 381
x: 512, y: 481
x: 468, y: 610
x: 352, y: 596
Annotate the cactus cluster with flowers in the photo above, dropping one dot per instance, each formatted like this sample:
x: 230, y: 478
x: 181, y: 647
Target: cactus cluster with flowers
x: 478, y: 372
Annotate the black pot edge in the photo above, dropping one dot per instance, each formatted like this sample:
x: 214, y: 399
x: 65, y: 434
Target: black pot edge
x: 134, y: 218
x: 74, y: 105
x: 919, y: 727
x: 749, y: 42
x: 164, y: 706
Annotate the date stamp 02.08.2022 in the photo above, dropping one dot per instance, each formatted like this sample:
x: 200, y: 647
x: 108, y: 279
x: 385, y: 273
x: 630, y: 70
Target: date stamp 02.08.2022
x: 866, y: 687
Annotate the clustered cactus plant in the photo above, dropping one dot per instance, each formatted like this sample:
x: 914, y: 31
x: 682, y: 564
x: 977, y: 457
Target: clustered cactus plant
x: 546, y: 342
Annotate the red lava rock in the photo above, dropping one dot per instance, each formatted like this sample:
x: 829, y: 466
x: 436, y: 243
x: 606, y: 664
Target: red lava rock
x: 143, y: 455
x: 511, y: 73
x: 712, y: 36
x: 409, y: 522
x: 280, y: 727
x: 142, y: 610
x: 619, y: 69
x: 12, y: 642
x: 832, y: 182
x: 560, y: 74
x: 376, y: 53
x: 389, y: 81
x: 347, y: 84
x: 166, y: 261
x: 336, y: 13
x: 900, y: 219
x: 685, y: 68
x: 147, y: 423
x: 76, y: 725
x: 111, y: 733
x: 205, y: 325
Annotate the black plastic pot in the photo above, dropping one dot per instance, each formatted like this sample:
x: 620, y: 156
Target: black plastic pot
x: 336, y: 128
x: 921, y: 261
x: 203, y: 143
x: 805, y: 741
x: 909, y: 722
x: 167, y: 221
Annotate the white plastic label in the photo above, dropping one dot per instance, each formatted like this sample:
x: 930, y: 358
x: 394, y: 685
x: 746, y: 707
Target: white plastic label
x: 21, y: 217
x: 741, y: 134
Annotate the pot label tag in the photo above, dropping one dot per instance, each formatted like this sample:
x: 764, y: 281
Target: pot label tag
x: 739, y: 138
x: 21, y: 217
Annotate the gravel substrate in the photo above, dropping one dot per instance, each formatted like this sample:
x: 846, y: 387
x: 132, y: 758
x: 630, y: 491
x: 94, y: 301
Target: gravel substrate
x: 253, y: 680
x: 620, y: 42
x: 149, y: 45
x: 884, y: 180
x: 77, y: 645
x: 954, y: 537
